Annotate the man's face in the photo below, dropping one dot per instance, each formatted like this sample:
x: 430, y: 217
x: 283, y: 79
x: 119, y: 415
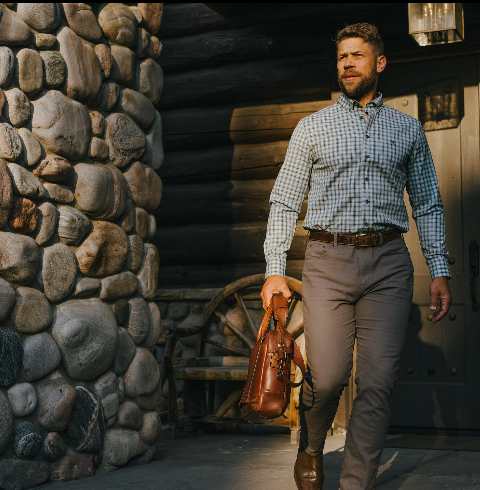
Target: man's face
x: 358, y: 67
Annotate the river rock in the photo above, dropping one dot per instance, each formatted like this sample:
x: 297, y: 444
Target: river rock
x: 13, y: 31
x: 152, y: 401
x: 87, y: 286
x: 23, y: 399
x: 143, y: 43
x: 53, y: 447
x: 146, y: 458
x: 19, y: 257
x: 152, y: 14
x: 127, y: 221
x: 118, y: 24
x: 152, y: 226
x: 23, y: 215
x: 98, y: 123
x: 10, y: 143
x: 150, y: 427
x: 31, y: 148
x: 138, y: 107
x: 31, y: 312
x: 135, y: 253
x: 27, y: 439
x: 62, y: 125
x: 86, y: 428
x: 18, y: 107
x: 72, y: 225
x: 16, y: 474
x: 7, y: 299
x: 138, y: 319
x: 121, y: 445
x: 149, y: 80
x: 141, y: 223
x: 55, y: 68
x: 110, y: 92
x: 148, y: 273
x: 142, y: 375
x: 121, y: 390
x: 43, y: 17
x: 98, y: 149
x: 106, y: 388
x: 121, y: 285
x: 47, y: 223
x: 120, y: 308
x: 24, y: 182
x: 136, y: 13
x: 7, y: 65
x: 58, y: 193
x: 6, y: 194
x: 100, y: 190
x: 155, y: 328
x: 125, y: 140
x: 55, y: 169
x: 36, y: 347
x: 56, y: 399
x: 87, y: 334
x: 129, y: 416
x: 155, y: 48
x: 105, y: 58
x: 59, y: 270
x: 30, y: 70
x: 145, y: 186
x: 123, y: 67
x: 104, y: 252
x: 154, y: 143
x: 45, y: 41
x: 6, y: 422
x: 125, y: 352
x: 84, y: 77
x: 82, y: 20
x: 72, y: 467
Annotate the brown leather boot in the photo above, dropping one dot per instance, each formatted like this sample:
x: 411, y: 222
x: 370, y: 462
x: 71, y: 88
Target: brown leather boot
x: 308, y: 471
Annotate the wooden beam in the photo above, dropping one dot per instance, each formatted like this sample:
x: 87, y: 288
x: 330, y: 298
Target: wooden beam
x: 260, y: 80
x: 216, y: 202
x: 211, y: 374
x: 220, y: 243
x: 235, y: 350
x: 192, y: 128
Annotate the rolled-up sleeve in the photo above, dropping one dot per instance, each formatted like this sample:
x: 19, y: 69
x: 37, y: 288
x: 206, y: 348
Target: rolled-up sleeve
x: 427, y: 207
x: 286, y: 201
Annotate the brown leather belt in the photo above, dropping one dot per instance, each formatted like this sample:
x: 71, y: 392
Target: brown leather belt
x: 357, y: 240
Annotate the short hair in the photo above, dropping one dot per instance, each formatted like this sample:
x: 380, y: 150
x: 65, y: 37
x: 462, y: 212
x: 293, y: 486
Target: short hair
x: 368, y: 32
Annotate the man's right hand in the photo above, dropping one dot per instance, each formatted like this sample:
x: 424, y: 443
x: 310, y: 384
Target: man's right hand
x: 272, y: 285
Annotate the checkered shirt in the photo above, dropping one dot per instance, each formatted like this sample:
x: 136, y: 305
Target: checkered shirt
x: 356, y: 169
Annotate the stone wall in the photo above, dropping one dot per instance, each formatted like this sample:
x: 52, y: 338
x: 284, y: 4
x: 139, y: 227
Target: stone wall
x: 80, y: 143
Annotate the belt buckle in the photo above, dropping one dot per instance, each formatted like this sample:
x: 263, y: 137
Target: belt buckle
x: 357, y: 235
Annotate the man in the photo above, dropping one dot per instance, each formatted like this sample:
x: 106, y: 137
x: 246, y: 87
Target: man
x: 356, y: 157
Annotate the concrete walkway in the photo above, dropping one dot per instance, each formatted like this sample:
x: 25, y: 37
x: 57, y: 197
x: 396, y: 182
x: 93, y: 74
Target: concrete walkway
x: 256, y: 462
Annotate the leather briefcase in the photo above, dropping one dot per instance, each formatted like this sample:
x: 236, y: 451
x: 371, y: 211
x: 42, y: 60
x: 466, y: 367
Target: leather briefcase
x: 267, y: 390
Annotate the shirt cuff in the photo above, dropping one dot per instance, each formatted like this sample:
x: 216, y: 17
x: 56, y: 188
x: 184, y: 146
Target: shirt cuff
x: 438, y: 266
x: 276, y: 267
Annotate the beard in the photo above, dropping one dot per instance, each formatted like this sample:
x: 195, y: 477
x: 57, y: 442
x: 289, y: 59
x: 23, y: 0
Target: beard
x: 358, y: 88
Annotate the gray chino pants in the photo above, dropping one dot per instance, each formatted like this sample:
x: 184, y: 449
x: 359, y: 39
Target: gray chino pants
x: 348, y: 293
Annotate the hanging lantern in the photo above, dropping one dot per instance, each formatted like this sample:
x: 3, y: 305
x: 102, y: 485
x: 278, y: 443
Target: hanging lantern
x: 435, y: 23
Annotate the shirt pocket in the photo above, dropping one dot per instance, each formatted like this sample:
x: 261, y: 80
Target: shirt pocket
x: 394, y: 151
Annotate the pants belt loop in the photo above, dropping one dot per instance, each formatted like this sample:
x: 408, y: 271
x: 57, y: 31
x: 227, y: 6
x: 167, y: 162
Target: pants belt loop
x: 335, y: 240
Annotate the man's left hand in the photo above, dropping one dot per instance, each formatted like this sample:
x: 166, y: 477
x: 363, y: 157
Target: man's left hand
x: 440, y: 292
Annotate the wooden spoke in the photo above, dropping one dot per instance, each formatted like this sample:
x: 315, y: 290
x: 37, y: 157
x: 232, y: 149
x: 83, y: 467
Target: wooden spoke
x: 295, y: 324
x: 248, y: 342
x: 247, y: 313
x: 229, y: 403
x: 242, y: 352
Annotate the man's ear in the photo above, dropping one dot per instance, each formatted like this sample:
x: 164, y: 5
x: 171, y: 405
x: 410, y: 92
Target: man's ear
x: 381, y: 63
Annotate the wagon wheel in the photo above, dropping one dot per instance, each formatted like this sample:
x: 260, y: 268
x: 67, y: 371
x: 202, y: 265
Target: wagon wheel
x: 229, y: 328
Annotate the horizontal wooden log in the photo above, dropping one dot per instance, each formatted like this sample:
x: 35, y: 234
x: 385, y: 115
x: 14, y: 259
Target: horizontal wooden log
x: 186, y: 129
x: 211, y: 374
x: 239, y: 201
x: 214, y: 274
x: 239, y: 162
x: 220, y: 47
x: 220, y: 243
x: 217, y: 361
x: 260, y: 80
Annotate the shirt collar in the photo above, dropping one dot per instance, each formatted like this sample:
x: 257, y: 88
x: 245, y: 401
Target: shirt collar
x: 350, y: 104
